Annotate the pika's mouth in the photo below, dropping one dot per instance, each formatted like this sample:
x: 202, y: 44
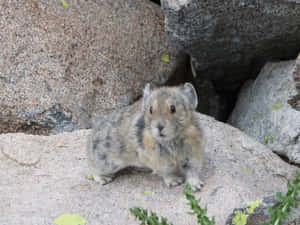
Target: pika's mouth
x: 163, y: 137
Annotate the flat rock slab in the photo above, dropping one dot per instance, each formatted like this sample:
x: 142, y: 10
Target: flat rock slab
x: 43, y: 177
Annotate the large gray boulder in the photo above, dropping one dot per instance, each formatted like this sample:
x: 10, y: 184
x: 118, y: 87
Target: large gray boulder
x: 229, y: 39
x: 268, y: 108
x: 61, y: 66
x: 43, y: 177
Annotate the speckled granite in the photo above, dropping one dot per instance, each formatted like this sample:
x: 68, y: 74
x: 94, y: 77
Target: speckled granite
x: 61, y: 66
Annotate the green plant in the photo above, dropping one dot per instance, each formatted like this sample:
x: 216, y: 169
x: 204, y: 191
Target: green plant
x: 276, y: 106
x: 241, y: 216
x: 65, y: 4
x: 150, y: 218
x: 282, y: 211
x: 147, y: 218
x: 268, y: 139
x: 277, y: 213
x: 196, y: 209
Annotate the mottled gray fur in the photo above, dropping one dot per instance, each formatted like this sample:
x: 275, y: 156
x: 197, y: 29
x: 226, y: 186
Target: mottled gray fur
x: 159, y: 132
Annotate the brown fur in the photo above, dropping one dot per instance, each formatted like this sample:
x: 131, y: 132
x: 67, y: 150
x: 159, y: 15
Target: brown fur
x: 158, y: 132
x: 148, y: 140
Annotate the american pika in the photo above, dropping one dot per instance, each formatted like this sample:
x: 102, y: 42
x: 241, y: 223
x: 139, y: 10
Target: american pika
x: 159, y: 132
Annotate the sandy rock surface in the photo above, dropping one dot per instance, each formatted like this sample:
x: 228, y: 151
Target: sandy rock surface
x: 43, y: 177
x: 61, y: 66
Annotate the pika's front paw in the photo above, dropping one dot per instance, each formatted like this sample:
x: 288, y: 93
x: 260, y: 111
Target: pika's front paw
x: 103, y: 179
x: 173, y: 181
x: 195, y: 183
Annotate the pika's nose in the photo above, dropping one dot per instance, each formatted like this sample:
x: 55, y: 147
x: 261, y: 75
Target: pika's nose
x: 160, y: 127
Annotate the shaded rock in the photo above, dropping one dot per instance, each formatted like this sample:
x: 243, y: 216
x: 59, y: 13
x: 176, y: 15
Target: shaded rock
x: 261, y: 216
x: 229, y: 40
x: 210, y: 102
x: 295, y: 100
x: 43, y: 177
x: 263, y: 109
x: 61, y: 66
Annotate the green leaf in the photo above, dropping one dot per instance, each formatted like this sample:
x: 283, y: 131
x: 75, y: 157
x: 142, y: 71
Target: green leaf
x: 246, y: 170
x: 278, y: 196
x: 269, y: 139
x: 280, y: 212
x: 143, y: 216
x: 253, y: 205
x: 90, y: 177
x: 65, y: 4
x: 195, y: 207
x: 70, y: 219
x: 165, y: 57
x: 240, y: 218
x: 277, y: 105
x: 255, y: 117
x: 266, y: 140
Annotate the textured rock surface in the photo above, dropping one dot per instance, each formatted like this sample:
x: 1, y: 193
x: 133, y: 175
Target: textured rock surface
x: 228, y: 39
x: 260, y: 216
x: 263, y: 110
x: 295, y: 100
x: 60, y: 66
x: 44, y: 177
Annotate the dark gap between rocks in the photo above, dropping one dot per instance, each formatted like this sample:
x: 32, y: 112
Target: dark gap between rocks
x: 216, y: 92
x: 156, y: 1
x: 295, y: 101
x: 286, y: 159
x: 231, y: 94
x: 215, y: 102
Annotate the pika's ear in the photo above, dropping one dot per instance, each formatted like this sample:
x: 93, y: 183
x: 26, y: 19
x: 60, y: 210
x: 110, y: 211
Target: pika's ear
x: 190, y: 92
x: 146, y: 94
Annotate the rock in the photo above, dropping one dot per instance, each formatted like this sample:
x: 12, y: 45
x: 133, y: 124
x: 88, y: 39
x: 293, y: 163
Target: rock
x: 229, y: 40
x: 295, y: 100
x: 43, y: 177
x: 61, y: 66
x: 267, y: 108
x: 210, y: 102
x: 260, y: 214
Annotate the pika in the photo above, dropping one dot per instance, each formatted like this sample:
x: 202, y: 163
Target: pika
x: 159, y: 132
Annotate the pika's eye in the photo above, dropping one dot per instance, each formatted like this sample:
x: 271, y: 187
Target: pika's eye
x: 150, y: 110
x: 172, y: 109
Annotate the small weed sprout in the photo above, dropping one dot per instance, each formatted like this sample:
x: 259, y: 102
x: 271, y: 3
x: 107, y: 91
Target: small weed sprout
x: 195, y: 207
x: 150, y: 218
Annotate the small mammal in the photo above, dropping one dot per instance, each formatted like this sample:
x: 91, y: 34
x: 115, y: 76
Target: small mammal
x: 160, y: 132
